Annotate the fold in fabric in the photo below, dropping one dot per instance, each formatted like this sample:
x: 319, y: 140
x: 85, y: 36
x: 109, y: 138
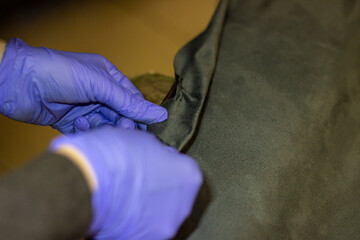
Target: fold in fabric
x: 268, y: 103
x: 194, y: 67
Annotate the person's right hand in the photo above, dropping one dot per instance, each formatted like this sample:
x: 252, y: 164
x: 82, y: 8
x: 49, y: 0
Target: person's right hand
x: 143, y: 189
x: 69, y: 91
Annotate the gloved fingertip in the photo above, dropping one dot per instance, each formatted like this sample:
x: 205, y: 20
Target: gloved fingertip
x: 158, y: 114
x: 126, y: 123
x: 164, y: 115
x: 109, y: 114
x: 81, y: 124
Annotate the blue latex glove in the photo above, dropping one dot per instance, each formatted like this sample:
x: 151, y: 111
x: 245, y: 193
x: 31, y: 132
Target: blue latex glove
x: 97, y: 119
x: 145, y: 189
x: 49, y: 87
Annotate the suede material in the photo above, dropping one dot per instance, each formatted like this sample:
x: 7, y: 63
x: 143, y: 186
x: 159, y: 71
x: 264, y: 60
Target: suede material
x: 278, y: 138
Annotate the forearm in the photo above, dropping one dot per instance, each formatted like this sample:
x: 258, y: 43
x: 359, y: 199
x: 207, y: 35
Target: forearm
x: 47, y: 199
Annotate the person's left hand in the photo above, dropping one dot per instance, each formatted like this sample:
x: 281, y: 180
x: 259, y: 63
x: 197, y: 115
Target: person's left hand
x: 141, y: 188
x: 69, y: 91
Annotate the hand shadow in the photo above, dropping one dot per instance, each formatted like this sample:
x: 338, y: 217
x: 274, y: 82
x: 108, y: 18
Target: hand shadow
x: 201, y: 204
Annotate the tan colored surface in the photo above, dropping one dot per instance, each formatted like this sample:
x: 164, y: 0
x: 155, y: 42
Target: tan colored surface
x: 154, y: 87
x: 2, y: 49
x: 137, y: 36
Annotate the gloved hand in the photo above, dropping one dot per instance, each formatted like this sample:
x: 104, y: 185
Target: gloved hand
x: 144, y: 189
x: 49, y: 87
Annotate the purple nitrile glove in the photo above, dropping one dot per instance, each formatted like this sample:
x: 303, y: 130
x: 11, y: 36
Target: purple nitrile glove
x: 50, y: 87
x: 145, y: 189
x: 97, y: 119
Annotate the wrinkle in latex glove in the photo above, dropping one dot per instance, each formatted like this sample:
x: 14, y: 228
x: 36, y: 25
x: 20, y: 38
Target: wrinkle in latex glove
x: 97, y: 120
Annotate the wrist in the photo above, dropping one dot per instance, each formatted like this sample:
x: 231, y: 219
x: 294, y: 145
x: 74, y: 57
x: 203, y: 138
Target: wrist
x: 80, y: 160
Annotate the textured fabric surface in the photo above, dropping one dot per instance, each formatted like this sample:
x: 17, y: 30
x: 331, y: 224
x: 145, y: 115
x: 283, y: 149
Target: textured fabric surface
x: 47, y: 199
x: 278, y: 138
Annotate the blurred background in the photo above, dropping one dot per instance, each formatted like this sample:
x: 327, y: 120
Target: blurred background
x: 138, y: 36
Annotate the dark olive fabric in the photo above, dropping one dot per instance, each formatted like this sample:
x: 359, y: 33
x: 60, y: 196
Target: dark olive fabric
x: 278, y: 138
x: 186, y: 105
x: 47, y: 199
